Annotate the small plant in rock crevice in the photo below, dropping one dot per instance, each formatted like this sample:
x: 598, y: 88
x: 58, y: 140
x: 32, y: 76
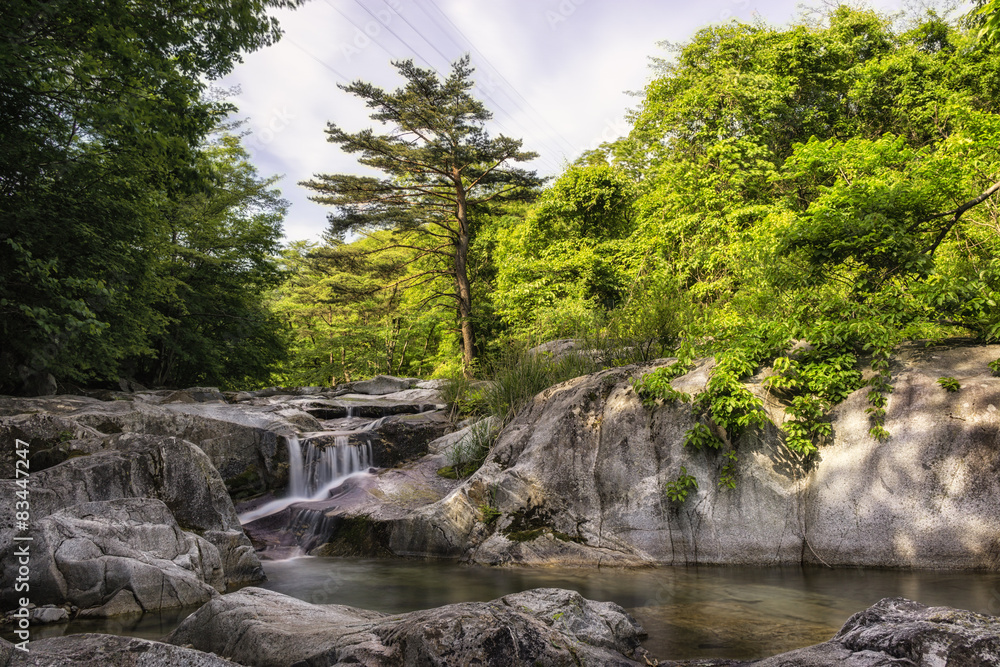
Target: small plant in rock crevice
x: 468, y: 454
x: 678, y: 489
x: 949, y: 384
x: 488, y: 510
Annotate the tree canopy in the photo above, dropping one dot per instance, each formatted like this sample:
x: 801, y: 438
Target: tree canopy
x: 105, y: 120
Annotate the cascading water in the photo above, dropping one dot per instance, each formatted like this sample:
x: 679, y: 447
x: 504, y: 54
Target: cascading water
x: 296, y: 471
x: 314, y: 471
x: 326, y: 467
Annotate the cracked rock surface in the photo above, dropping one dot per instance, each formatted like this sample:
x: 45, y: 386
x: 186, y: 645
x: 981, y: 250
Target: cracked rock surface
x: 144, y: 523
x: 98, y: 650
x: 579, y: 478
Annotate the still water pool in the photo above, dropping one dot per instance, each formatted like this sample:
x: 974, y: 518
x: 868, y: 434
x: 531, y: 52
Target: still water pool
x: 688, y: 612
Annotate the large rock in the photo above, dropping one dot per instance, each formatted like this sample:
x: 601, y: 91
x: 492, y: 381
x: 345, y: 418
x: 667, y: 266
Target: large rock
x: 580, y: 476
x: 121, y: 556
x: 896, y: 631
x: 246, y: 444
x: 131, y: 466
x: 543, y: 626
x: 380, y: 385
x: 94, y: 650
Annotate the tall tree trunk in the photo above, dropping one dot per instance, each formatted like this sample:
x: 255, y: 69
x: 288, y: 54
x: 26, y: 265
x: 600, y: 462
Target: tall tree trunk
x: 462, y: 281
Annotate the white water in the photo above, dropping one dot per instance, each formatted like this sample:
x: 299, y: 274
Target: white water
x: 315, y: 471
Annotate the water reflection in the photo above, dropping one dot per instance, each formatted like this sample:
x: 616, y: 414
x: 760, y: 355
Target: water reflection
x: 694, y: 612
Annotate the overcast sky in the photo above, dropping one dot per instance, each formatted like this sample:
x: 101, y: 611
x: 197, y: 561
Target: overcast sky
x: 555, y: 73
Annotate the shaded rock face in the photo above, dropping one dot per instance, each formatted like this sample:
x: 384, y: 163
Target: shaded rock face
x: 98, y: 650
x: 247, y: 441
x: 121, y: 556
x: 173, y: 513
x: 542, y: 626
x: 241, y: 442
x: 405, y: 437
x: 579, y: 477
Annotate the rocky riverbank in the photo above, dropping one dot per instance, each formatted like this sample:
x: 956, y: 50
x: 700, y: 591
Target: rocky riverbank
x: 552, y: 627
x: 579, y: 477
x: 132, y: 511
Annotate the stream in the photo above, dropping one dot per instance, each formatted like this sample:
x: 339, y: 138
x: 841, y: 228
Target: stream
x: 704, y: 612
x: 688, y: 612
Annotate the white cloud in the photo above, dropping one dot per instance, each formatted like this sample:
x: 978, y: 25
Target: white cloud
x: 555, y: 72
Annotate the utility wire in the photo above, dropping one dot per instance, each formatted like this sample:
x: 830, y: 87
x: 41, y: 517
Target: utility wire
x: 495, y: 102
x: 361, y: 30
x: 403, y: 41
x: 558, y: 135
x: 321, y: 62
x: 548, y: 161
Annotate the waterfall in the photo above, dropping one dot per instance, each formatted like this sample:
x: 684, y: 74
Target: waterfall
x: 314, y: 471
x: 296, y: 471
x: 325, y: 467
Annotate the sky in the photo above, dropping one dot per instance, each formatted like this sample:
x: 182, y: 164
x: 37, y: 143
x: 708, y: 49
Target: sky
x: 558, y: 74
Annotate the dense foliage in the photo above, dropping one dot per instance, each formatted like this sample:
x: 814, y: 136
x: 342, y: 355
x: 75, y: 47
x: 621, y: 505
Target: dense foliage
x: 802, y: 198
x: 110, y: 193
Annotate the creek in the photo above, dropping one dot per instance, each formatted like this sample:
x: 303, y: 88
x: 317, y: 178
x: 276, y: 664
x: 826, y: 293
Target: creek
x: 703, y: 612
x: 688, y: 612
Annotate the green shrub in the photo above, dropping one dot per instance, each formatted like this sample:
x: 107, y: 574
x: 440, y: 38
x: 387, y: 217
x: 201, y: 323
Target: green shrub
x: 949, y: 384
x: 678, y: 490
x: 468, y: 454
x: 520, y: 375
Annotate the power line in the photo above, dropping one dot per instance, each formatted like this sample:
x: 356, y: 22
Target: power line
x: 361, y: 30
x: 509, y: 85
x: 551, y: 164
x: 495, y: 102
x: 403, y: 41
x: 321, y: 62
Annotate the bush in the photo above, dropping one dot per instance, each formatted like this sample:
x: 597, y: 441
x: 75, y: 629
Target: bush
x: 468, y: 454
x: 519, y: 375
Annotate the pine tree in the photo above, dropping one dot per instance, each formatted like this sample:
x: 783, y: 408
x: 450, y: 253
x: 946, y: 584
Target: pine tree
x: 438, y: 163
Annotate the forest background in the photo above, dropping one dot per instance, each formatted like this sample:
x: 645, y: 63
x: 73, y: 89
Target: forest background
x: 828, y: 182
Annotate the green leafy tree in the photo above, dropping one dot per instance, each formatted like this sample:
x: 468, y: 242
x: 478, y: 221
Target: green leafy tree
x: 560, y: 266
x: 216, y: 269
x: 104, y: 113
x: 343, y: 320
x: 831, y: 183
x: 439, y: 164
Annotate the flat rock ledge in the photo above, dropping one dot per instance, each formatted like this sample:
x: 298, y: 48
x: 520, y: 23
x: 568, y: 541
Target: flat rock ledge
x: 261, y: 628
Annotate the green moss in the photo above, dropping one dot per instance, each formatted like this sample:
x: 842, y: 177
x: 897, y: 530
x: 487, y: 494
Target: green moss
x: 245, y: 485
x: 532, y: 523
x: 524, y: 535
x: 357, y: 536
x: 448, y: 472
